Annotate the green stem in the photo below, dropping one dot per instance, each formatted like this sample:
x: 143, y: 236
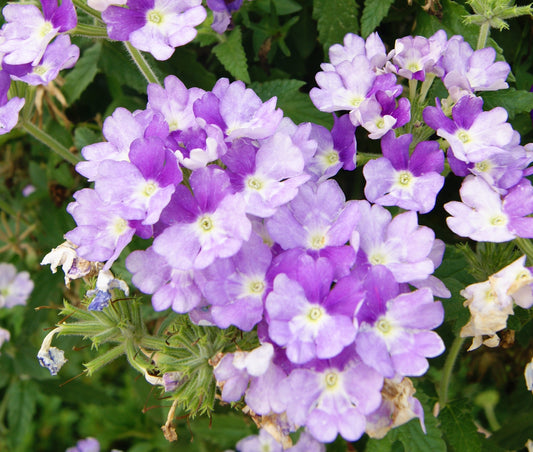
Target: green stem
x: 413, y: 83
x: 448, y: 369
x: 82, y: 4
x: 89, y: 31
x: 426, y: 84
x: 526, y: 246
x: 142, y: 64
x: 484, y: 31
x: 51, y: 142
x: 104, y: 359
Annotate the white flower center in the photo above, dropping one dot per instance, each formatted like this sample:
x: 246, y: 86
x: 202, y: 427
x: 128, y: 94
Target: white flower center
x: 256, y: 287
x: 315, y: 313
x: 317, y: 241
x: 40, y: 70
x: 483, y: 166
x: 498, y: 220
x: 254, y: 183
x: 119, y: 226
x: 356, y: 101
x: 206, y: 223
x: 331, y: 380
x: 46, y: 28
x: 149, y: 189
x: 463, y: 136
x: 377, y: 258
x: 330, y: 158
x: 383, y: 326
x: 404, y: 178
x: 155, y: 17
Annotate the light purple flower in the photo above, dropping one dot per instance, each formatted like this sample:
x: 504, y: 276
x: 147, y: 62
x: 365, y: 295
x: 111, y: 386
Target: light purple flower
x: 238, y: 111
x: 209, y: 224
x: 155, y: 26
x: 9, y: 109
x: 414, y: 57
x: 398, y: 243
x: 396, y: 179
x: 468, y: 71
x: 473, y: 134
x: 317, y: 218
x: 171, y: 288
x: 333, y: 399
x: 308, y: 319
x: 60, y: 54
x: 15, y: 288
x: 85, y: 445
x: 5, y: 335
x: 484, y: 216
x: 28, y: 31
x: 145, y: 183
x: 222, y: 10
x: 103, y: 230
x: 394, y: 335
x: 236, y: 286
x: 262, y: 442
x: 353, y: 45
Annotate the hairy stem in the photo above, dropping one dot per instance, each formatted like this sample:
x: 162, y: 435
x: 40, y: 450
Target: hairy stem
x: 142, y: 64
x: 51, y: 142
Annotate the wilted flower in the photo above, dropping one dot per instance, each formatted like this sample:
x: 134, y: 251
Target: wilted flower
x: 51, y: 357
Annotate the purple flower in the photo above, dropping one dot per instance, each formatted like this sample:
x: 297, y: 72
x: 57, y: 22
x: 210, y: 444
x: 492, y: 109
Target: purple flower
x: 262, y: 442
x: 155, y: 26
x: 484, y: 216
x: 9, y: 109
x: 473, y: 134
x: 398, y: 243
x: 236, y: 286
x: 145, y: 183
x: 468, y: 71
x: 60, y: 54
x: 171, y: 288
x: 417, y: 56
x: 222, y: 10
x: 317, y: 218
x: 27, y: 32
x: 373, y: 49
x: 394, y: 336
x: 396, y: 179
x: 269, y: 176
x: 15, y: 288
x: 85, y: 445
x: 308, y: 319
x: 103, y: 229
x: 333, y: 399
x: 209, y: 224
x: 238, y: 111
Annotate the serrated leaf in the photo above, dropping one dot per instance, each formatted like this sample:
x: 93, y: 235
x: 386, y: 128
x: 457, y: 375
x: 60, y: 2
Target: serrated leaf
x: 21, y: 397
x: 83, y: 73
x: 514, y: 101
x: 414, y: 439
x: 295, y: 104
x: 231, y: 54
x: 459, y: 428
x: 335, y: 19
x: 374, y: 12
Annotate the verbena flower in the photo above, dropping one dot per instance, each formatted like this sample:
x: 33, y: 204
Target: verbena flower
x: 15, y: 288
x: 155, y: 26
x: 9, y: 109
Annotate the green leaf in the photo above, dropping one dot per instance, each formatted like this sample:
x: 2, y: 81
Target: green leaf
x: 335, y: 19
x: 414, y: 439
x: 514, y: 101
x: 459, y: 428
x: 223, y: 430
x: 452, y: 22
x: 21, y: 397
x: 374, y: 12
x: 231, y: 54
x: 83, y: 73
x: 295, y: 104
x: 83, y: 136
x: 116, y: 63
x: 283, y: 7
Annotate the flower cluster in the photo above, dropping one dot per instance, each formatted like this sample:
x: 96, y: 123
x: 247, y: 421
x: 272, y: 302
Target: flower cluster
x: 250, y: 230
x: 33, y: 49
x: 496, y: 195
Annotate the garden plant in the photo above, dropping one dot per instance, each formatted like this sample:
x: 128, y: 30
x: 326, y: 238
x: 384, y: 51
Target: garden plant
x: 266, y: 225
